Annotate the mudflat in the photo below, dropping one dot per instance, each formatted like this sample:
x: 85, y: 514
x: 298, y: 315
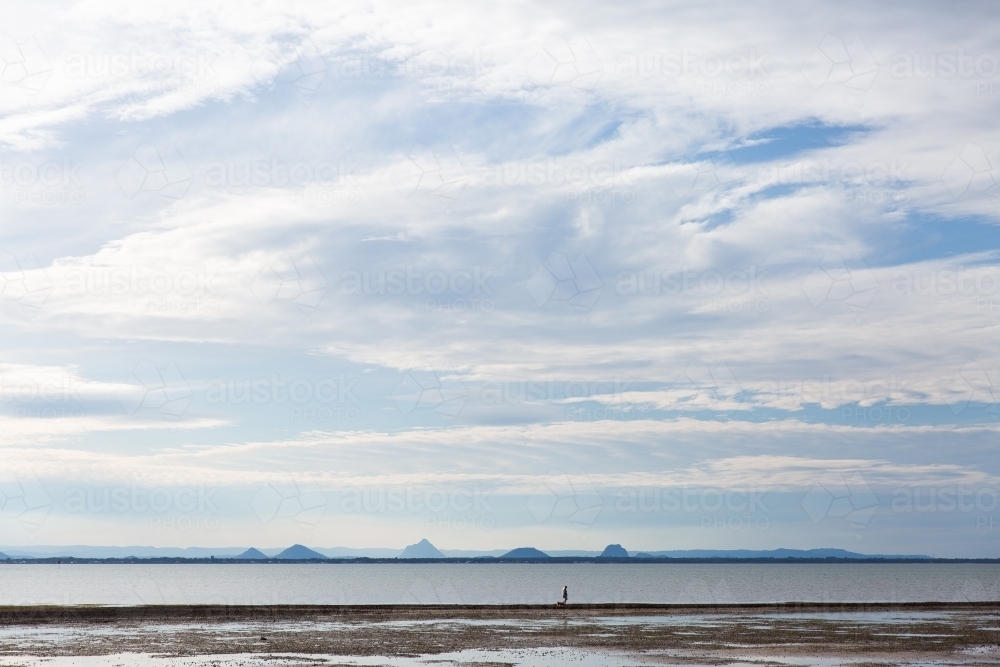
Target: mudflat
x: 797, y: 633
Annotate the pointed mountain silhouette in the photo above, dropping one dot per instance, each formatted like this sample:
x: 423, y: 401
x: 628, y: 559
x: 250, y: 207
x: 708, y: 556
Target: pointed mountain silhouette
x: 525, y: 552
x: 614, y: 551
x: 253, y: 554
x: 422, y: 549
x: 299, y: 552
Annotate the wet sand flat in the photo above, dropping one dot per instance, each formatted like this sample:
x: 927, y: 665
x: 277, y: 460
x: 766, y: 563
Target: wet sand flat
x: 444, y: 635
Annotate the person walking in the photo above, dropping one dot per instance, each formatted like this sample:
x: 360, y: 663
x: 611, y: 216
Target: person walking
x: 565, y: 595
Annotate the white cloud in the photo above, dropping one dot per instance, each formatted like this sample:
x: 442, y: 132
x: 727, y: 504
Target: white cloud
x: 436, y: 188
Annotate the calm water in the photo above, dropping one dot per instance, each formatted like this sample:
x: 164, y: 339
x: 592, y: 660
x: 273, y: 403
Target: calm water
x: 494, y: 584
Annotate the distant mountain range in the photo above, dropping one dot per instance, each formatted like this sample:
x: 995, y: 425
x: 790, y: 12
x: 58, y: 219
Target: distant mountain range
x: 299, y: 552
x: 422, y: 549
x: 772, y: 553
x: 614, y: 551
x: 524, y: 553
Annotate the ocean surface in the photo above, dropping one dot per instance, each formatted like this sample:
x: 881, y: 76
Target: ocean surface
x: 508, y: 583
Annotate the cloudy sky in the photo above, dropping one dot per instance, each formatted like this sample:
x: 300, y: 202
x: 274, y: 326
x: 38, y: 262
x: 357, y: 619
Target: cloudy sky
x: 675, y: 276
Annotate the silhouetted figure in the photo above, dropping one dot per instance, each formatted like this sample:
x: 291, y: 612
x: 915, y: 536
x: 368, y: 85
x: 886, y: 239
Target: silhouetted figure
x: 565, y: 596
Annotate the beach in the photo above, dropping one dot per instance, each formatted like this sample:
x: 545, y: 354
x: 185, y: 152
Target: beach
x: 408, y: 635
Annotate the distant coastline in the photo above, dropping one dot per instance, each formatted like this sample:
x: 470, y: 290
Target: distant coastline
x: 488, y: 560
x: 424, y: 551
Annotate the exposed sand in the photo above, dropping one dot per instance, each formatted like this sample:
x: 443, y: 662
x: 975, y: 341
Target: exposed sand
x: 402, y: 636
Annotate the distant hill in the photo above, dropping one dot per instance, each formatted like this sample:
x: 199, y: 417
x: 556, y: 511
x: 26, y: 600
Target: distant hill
x: 525, y: 552
x: 299, y: 552
x: 465, y: 553
x: 347, y: 552
x: 82, y: 551
x: 773, y: 553
x: 614, y: 551
x: 422, y: 549
x: 85, y: 551
x: 253, y: 554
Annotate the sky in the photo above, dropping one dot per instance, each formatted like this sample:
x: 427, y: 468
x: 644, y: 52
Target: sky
x: 669, y: 275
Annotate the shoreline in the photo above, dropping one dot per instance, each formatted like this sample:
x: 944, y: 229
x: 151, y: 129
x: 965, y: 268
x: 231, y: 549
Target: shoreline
x: 958, y: 634
x: 34, y: 614
x: 962, y: 634
x: 488, y: 560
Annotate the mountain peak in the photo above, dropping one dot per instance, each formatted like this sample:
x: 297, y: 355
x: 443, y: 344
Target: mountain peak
x: 525, y: 553
x: 422, y: 549
x: 253, y: 554
x: 299, y: 552
x: 614, y: 551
